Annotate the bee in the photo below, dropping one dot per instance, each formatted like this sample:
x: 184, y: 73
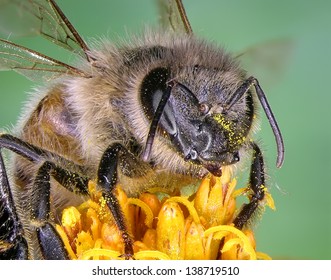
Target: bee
x: 165, y: 109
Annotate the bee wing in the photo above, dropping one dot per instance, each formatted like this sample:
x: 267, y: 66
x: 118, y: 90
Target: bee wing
x: 42, y: 17
x: 173, y: 16
x: 268, y: 60
x: 32, y: 64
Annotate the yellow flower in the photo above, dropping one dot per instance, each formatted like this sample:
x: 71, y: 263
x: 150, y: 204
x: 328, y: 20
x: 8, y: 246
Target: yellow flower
x: 175, y: 227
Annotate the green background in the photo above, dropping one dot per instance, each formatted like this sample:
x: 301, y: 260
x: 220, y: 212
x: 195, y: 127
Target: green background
x: 298, y: 91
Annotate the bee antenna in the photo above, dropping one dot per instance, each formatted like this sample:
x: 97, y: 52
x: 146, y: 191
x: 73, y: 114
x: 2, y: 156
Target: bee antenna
x: 266, y: 107
x: 272, y: 121
x: 155, y: 121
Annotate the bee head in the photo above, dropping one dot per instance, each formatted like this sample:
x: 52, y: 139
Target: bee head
x: 199, y: 131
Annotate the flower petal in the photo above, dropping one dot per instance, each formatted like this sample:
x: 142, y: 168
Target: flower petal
x: 194, y: 245
x: 170, y: 231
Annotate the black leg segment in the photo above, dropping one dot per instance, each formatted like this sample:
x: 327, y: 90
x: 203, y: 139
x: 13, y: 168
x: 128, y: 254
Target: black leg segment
x: 107, y: 179
x: 51, y: 245
x: 12, y: 243
x: 257, y: 185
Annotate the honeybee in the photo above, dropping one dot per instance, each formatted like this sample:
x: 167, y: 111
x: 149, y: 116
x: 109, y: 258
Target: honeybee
x: 166, y: 109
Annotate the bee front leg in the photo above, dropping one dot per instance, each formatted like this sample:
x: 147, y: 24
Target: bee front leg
x: 12, y: 242
x: 257, y: 185
x: 107, y: 179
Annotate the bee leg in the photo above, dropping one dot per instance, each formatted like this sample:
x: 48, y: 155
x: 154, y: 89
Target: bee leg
x: 12, y: 242
x: 257, y: 184
x: 107, y: 179
x: 51, y: 245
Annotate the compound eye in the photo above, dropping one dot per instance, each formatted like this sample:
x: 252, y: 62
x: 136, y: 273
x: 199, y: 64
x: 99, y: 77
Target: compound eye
x: 204, y: 108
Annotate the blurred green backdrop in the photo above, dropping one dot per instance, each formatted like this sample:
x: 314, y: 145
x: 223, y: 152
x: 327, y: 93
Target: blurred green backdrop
x: 298, y: 92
